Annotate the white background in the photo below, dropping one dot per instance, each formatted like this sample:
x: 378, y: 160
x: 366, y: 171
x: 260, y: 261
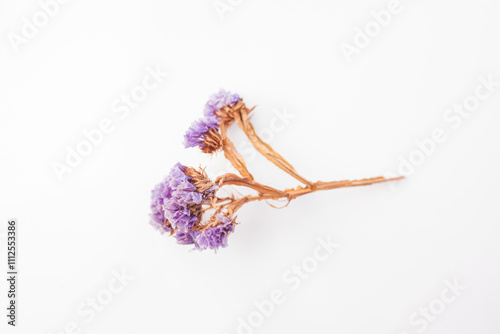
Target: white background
x: 398, y: 245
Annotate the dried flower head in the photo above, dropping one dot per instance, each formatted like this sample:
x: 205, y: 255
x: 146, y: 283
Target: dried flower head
x: 219, y: 100
x: 214, y: 235
x: 204, y: 133
x: 177, y: 201
x: 177, y: 208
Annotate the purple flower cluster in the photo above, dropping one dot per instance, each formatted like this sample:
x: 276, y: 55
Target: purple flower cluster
x: 196, y: 134
x: 176, y: 208
x: 215, y: 237
x: 219, y: 100
x: 172, y: 200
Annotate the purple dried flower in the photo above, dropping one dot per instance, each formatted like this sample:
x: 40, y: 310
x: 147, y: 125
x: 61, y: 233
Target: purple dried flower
x: 219, y: 100
x: 215, y: 237
x: 203, y: 133
x: 176, y: 201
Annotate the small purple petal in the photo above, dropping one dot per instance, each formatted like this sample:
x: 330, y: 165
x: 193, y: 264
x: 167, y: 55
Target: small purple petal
x: 196, y: 133
x: 186, y: 238
x: 159, y: 194
x: 216, y: 236
x: 219, y: 100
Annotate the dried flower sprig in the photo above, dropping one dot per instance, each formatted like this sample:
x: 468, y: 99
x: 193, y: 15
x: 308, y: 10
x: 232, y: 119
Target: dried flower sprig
x: 186, y: 205
x: 210, y: 132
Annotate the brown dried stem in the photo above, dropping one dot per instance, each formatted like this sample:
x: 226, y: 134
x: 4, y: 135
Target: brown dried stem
x: 318, y: 186
x: 266, y: 193
x: 232, y: 179
x: 233, y: 155
x: 239, y: 113
x: 241, y: 117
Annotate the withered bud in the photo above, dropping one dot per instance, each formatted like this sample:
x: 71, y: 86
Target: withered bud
x: 228, y: 114
x: 202, y: 182
x: 212, y: 141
